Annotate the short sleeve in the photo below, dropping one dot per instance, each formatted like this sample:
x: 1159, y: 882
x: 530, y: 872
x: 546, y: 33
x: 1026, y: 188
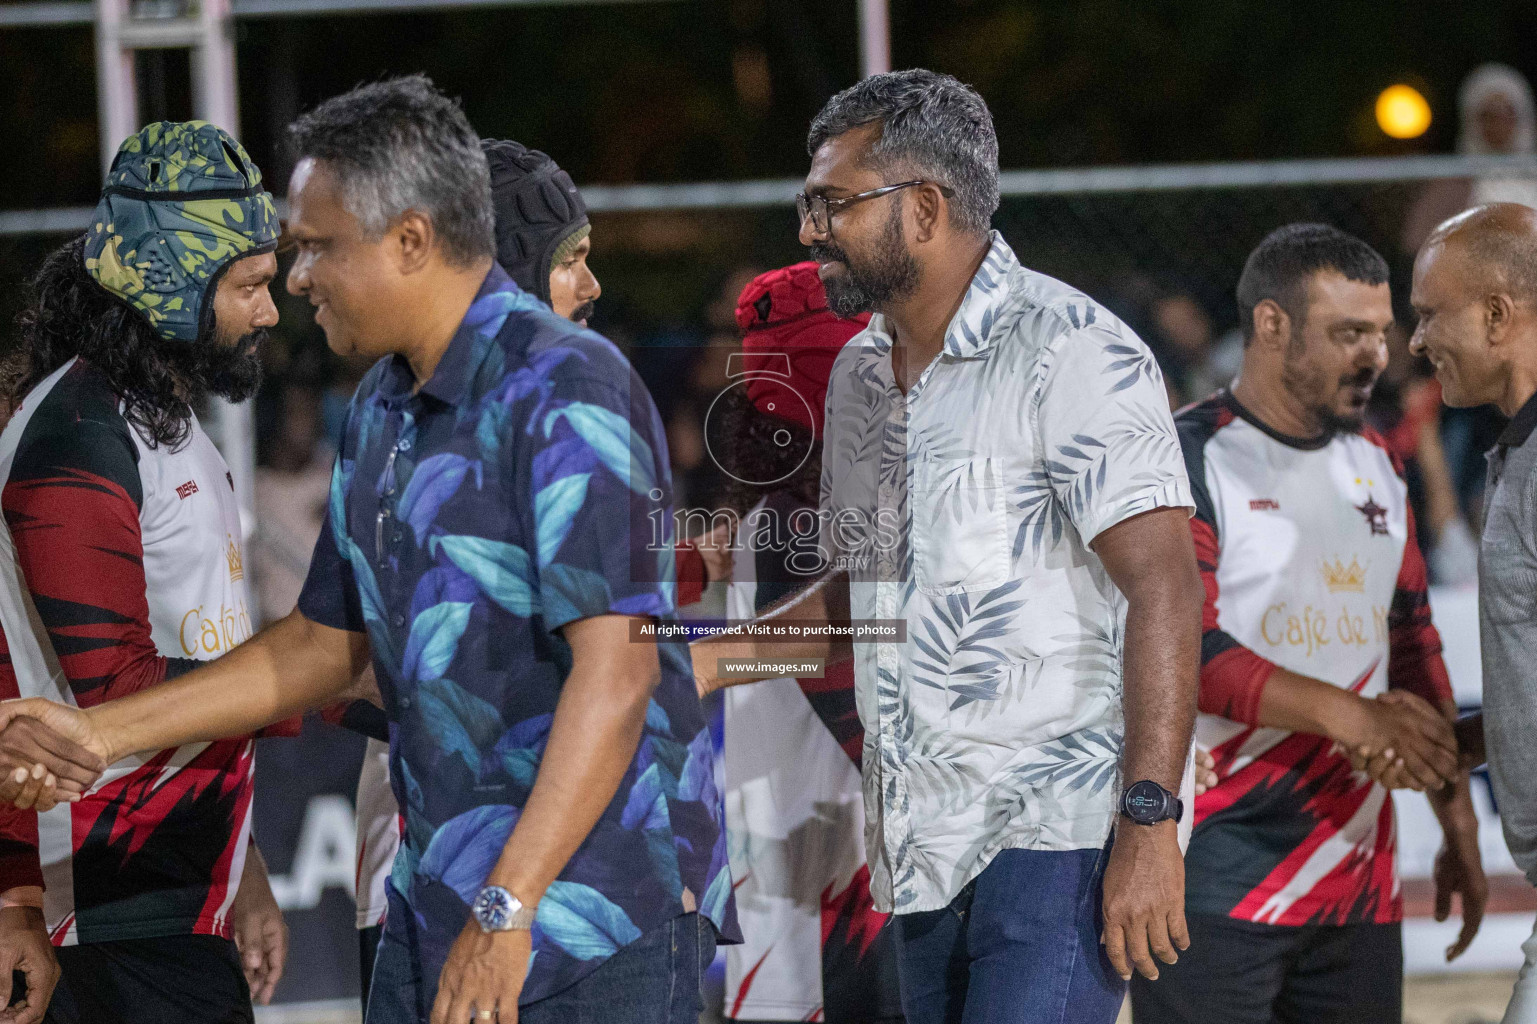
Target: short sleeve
x: 601, y: 502
x: 330, y: 595
x: 1107, y: 435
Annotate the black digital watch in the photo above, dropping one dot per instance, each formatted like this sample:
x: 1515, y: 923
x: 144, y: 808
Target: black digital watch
x: 1148, y: 803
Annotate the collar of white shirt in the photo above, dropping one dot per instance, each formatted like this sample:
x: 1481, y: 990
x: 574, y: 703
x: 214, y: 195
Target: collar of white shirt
x: 970, y: 334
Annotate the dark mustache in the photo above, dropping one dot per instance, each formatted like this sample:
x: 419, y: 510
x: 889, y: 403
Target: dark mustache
x: 828, y: 254
x: 584, y: 311
x: 1360, y: 379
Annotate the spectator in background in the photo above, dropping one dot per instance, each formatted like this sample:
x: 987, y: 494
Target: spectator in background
x: 698, y: 479
x: 1495, y: 116
x: 1181, y: 338
x: 292, y: 488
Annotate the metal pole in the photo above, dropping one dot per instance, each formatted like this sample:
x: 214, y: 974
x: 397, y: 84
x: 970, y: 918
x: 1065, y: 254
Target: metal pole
x: 213, y: 67
x: 874, y: 37
x: 231, y: 425
x: 116, y: 92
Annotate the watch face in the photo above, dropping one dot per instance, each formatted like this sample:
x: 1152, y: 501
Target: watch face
x: 493, y: 908
x: 1144, y: 803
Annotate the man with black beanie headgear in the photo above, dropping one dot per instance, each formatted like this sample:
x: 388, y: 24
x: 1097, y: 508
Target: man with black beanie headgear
x: 542, y: 231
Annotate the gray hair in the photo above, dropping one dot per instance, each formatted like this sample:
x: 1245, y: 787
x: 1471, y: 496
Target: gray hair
x: 400, y: 145
x: 931, y: 126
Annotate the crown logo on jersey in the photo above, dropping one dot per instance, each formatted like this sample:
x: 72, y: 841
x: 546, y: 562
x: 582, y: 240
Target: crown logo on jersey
x: 236, y: 568
x: 1341, y: 577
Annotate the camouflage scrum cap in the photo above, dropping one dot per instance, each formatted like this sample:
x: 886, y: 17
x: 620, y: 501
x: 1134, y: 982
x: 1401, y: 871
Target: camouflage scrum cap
x: 182, y: 202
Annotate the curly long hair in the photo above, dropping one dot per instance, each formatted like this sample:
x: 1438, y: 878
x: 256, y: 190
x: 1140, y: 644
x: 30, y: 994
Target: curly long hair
x: 68, y: 314
x: 748, y: 436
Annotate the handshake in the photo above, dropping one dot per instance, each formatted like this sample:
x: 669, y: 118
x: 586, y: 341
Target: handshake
x: 1402, y: 742
x: 49, y: 753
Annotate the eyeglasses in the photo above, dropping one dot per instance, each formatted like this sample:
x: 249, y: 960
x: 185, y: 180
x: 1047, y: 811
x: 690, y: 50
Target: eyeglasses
x: 821, y: 209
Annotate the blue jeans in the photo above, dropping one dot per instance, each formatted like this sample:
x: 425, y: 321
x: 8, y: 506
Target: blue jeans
x: 1019, y: 944
x: 653, y: 980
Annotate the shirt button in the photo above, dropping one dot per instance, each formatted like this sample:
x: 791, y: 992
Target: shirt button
x: 405, y: 702
x: 404, y: 445
x: 400, y: 621
x: 397, y: 536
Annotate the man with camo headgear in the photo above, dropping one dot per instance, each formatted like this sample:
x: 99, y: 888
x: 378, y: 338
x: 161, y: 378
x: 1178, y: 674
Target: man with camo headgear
x: 121, y: 566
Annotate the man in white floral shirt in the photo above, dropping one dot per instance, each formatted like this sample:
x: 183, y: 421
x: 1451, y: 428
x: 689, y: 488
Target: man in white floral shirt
x: 1001, y: 473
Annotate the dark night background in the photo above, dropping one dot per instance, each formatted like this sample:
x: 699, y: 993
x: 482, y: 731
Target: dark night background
x: 684, y: 90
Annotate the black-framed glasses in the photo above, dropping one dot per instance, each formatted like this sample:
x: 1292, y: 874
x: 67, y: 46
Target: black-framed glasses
x: 821, y: 209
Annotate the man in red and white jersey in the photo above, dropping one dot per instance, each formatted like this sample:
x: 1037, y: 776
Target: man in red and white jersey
x: 1318, y: 658
x: 121, y: 565
x: 814, y: 946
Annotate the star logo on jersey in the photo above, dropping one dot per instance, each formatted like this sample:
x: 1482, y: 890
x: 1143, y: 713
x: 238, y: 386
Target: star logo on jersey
x: 1376, y: 516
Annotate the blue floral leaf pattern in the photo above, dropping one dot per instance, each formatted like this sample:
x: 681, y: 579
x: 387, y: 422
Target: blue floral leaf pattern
x: 499, y: 568
x: 583, y: 922
x: 434, y: 481
x: 555, y: 508
x: 460, y: 721
x: 617, y: 445
x: 713, y: 905
x: 570, y: 593
x: 465, y: 848
x: 434, y: 639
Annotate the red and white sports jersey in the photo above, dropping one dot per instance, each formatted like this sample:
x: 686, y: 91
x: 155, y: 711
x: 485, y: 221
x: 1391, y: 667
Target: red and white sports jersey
x: 378, y: 818
x: 121, y: 566
x: 1308, y: 555
x: 813, y: 944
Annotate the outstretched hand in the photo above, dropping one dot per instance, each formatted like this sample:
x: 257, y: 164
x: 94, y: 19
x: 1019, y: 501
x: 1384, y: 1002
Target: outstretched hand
x: 49, y: 753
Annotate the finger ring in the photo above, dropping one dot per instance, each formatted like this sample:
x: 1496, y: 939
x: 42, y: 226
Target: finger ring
x: 484, y: 1014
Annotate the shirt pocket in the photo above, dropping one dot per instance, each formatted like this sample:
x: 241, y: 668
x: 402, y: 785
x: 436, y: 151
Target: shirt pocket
x: 960, y: 525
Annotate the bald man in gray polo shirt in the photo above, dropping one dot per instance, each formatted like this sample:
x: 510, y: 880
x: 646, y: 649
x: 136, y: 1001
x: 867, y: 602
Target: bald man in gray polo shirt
x: 1475, y: 292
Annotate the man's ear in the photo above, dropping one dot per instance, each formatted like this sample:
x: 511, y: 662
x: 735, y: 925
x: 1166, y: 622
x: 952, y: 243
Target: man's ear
x: 1272, y: 325
x: 928, y: 211
x: 412, y: 238
x: 1499, y: 317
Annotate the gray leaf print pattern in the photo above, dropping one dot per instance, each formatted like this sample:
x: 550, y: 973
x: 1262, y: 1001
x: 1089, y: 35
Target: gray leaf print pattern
x: 1085, y: 760
x: 1083, y: 467
x: 1095, y: 652
x: 1041, y: 513
x: 1131, y: 365
x: 941, y: 773
x: 1145, y: 440
x: 956, y: 647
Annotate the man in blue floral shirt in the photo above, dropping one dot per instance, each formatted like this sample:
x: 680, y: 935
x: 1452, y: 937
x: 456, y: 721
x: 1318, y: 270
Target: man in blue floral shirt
x: 499, y: 541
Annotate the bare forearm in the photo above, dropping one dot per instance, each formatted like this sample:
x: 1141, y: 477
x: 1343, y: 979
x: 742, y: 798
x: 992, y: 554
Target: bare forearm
x: 287, y: 668
x: 1302, y: 704
x: 1162, y: 666
x: 593, y: 738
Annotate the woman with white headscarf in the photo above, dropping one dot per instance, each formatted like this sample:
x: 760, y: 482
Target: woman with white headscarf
x: 1495, y: 116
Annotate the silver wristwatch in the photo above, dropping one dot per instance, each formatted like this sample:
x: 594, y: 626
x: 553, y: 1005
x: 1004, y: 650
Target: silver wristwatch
x: 497, y: 910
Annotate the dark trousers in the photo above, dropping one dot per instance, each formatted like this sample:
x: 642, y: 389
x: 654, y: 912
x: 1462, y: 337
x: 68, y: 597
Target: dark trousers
x: 368, y: 949
x: 653, y: 980
x: 1239, y: 972
x: 176, y: 979
x: 1019, y: 945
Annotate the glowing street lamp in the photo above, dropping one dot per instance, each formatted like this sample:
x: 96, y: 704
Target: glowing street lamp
x: 1402, y: 113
